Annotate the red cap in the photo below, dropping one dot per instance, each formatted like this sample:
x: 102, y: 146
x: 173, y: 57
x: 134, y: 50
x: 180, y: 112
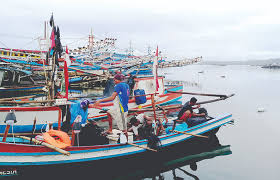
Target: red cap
x: 119, y: 77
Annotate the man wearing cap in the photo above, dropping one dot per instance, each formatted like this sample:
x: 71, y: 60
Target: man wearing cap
x: 120, y: 99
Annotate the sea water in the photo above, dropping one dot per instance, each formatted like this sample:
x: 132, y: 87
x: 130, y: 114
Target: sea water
x: 254, y: 137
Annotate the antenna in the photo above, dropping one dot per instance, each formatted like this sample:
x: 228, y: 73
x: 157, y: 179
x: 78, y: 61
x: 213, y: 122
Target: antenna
x: 90, y: 40
x: 130, y: 48
x: 149, y: 50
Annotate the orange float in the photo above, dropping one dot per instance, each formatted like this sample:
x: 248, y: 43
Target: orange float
x: 62, y: 142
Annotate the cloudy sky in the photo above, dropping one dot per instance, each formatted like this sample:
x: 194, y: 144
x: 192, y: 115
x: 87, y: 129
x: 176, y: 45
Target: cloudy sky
x: 215, y: 29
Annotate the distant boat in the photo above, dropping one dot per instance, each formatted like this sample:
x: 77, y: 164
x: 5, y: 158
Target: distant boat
x: 261, y: 109
x: 201, y: 72
x: 17, y: 80
x: 272, y: 66
x: 223, y: 76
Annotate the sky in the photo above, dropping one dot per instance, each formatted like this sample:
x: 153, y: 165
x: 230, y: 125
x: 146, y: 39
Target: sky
x: 216, y: 30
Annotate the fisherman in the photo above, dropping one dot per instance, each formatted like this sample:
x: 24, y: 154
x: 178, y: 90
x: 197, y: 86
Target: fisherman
x: 140, y: 126
x: 191, y: 118
x: 131, y: 82
x: 109, y: 86
x: 120, y: 98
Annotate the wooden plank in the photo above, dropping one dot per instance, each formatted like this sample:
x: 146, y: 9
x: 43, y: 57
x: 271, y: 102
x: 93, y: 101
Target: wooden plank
x: 198, y: 94
x: 196, y: 135
x: 46, y: 145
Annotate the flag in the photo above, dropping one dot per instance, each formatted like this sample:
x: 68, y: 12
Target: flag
x: 66, y: 50
x: 51, y: 21
x: 47, y: 58
x: 52, y: 38
x: 157, y: 52
x: 66, y: 79
x: 58, y: 46
x: 67, y: 58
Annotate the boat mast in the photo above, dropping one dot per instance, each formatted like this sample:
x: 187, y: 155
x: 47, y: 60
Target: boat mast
x: 130, y: 48
x: 90, y: 44
x: 53, y: 50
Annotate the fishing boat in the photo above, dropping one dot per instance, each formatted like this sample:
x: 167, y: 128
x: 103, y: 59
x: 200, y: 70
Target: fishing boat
x: 272, y: 66
x: 21, y: 54
x: 25, y: 115
x: 147, y: 83
x: 53, y: 114
x: 29, y: 158
x: 15, y: 81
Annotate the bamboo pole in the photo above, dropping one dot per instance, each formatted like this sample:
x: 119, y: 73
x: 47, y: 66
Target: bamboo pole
x: 19, y: 134
x: 196, y: 135
x: 132, y: 144
x: 214, y: 100
x: 33, y: 128
x: 6, y: 133
x: 16, y: 98
x: 46, y: 145
x: 151, y: 109
x: 34, y: 124
x: 143, y: 147
x: 26, y: 134
x: 153, y: 105
x: 73, y: 137
x: 199, y: 94
x: 26, y: 102
x: 59, y: 119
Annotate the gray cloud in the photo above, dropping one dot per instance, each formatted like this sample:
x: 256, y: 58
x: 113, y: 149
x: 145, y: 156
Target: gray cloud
x: 214, y: 30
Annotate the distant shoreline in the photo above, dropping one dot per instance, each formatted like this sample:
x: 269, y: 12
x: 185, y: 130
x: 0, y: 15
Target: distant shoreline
x: 249, y: 62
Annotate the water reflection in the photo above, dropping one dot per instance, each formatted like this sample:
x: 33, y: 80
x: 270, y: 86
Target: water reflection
x: 158, y: 166
x: 173, y: 166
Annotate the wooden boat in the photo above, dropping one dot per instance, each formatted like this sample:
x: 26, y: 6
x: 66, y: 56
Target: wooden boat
x: 26, y: 115
x: 21, y: 54
x: 27, y: 158
x: 14, y: 80
x: 146, y: 83
x: 272, y: 66
x: 52, y: 114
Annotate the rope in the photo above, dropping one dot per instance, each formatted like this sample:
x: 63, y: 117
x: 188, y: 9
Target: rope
x: 3, y: 44
x: 13, y: 133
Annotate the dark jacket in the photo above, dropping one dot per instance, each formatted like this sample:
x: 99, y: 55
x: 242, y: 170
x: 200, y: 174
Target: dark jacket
x: 91, y: 134
x: 186, y: 107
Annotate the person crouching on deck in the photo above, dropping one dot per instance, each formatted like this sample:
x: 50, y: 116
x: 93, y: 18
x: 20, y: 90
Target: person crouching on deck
x: 141, y: 126
x: 186, y: 113
x: 120, y: 99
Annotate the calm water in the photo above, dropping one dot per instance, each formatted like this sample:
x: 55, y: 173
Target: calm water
x: 254, y: 138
